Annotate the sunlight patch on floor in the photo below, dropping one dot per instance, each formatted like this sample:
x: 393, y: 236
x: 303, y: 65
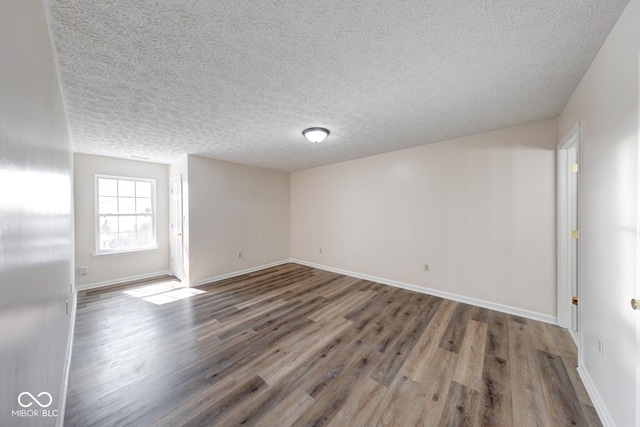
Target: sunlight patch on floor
x: 163, y: 292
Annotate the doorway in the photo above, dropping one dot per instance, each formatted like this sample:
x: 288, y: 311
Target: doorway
x: 568, y: 229
x: 176, y: 227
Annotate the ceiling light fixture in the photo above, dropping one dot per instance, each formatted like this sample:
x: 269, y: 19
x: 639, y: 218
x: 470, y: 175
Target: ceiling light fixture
x: 316, y: 135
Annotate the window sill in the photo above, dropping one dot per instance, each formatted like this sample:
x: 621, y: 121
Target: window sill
x: 125, y: 252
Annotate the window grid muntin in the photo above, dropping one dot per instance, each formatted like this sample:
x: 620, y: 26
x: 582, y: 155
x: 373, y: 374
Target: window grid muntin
x: 142, y: 192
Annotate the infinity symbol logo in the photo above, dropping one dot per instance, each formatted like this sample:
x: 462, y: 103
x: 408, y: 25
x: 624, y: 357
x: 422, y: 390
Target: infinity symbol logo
x: 42, y: 405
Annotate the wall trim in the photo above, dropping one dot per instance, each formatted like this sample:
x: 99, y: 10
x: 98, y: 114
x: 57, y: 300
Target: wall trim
x: 123, y: 280
x: 62, y: 402
x: 455, y: 297
x: 237, y: 273
x: 596, y: 398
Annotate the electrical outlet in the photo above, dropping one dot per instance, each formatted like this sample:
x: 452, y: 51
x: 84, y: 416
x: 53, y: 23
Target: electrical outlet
x: 427, y: 267
x: 239, y: 254
x: 361, y: 256
x: 84, y: 271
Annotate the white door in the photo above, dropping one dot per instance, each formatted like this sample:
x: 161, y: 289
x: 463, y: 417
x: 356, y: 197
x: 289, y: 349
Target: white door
x: 637, y: 307
x: 176, y: 226
x: 572, y: 195
x: 637, y: 295
x: 568, y: 232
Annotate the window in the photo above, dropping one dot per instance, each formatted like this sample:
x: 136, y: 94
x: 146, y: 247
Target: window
x: 125, y: 214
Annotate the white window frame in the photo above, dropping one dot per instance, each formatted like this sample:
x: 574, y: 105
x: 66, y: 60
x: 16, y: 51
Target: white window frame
x: 105, y: 252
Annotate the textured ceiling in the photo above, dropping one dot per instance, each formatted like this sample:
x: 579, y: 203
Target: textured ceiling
x: 239, y: 80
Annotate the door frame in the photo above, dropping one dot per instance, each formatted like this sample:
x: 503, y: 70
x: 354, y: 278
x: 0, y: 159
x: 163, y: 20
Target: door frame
x: 174, y: 250
x: 570, y: 141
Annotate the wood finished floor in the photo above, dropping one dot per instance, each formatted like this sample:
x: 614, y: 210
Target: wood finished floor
x: 292, y: 345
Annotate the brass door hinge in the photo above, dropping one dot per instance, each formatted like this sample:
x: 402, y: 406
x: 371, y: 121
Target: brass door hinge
x: 575, y: 234
x: 574, y: 167
x: 574, y: 300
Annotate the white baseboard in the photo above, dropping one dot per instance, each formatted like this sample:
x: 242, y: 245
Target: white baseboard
x: 237, y: 273
x: 67, y: 362
x: 460, y: 298
x: 455, y: 297
x: 596, y: 399
x: 123, y: 280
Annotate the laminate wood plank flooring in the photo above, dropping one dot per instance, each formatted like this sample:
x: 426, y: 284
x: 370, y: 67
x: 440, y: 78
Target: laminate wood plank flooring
x: 297, y: 346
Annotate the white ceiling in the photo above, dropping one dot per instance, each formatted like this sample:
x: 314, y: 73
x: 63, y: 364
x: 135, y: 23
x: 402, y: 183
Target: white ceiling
x: 239, y: 80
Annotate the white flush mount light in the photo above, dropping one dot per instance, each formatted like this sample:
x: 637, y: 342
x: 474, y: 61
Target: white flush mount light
x: 316, y: 135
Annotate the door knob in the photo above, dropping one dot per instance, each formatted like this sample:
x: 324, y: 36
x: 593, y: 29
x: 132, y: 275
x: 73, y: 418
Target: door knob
x: 635, y: 304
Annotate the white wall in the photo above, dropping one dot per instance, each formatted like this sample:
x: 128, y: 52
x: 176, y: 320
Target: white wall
x: 606, y: 104
x: 235, y: 208
x: 480, y: 210
x: 36, y: 240
x: 117, y: 268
